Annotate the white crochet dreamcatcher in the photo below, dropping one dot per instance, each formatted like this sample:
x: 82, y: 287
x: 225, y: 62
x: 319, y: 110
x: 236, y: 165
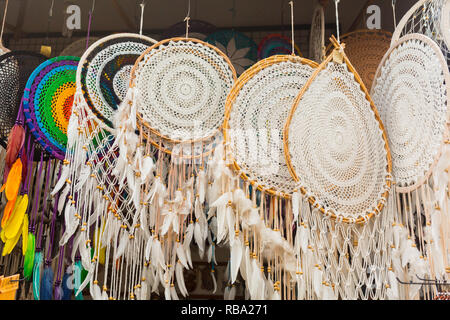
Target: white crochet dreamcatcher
x: 430, y: 18
x: 176, y: 104
x: 98, y: 211
x: 411, y: 91
x: 253, y: 213
x: 337, y: 152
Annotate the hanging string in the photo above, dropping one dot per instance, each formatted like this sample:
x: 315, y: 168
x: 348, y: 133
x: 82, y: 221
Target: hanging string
x: 142, y: 16
x: 336, y: 2
x: 292, y: 25
x: 4, y: 19
x: 188, y: 17
x: 89, y: 24
x: 393, y: 13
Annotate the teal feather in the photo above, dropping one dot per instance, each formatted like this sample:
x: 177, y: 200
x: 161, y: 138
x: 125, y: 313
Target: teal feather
x: 77, y: 283
x: 37, y: 268
x: 47, y: 284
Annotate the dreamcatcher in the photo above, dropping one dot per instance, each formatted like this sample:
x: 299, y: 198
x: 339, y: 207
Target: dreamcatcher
x: 275, y: 44
x: 337, y: 152
x: 411, y: 90
x: 317, y: 34
x: 365, y: 49
x: 176, y: 102
x: 47, y: 102
x: 253, y: 213
x: 97, y: 204
x: 240, y: 49
x: 430, y: 18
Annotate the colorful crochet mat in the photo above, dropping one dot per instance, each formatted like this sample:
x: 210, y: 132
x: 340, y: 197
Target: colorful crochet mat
x: 48, y: 99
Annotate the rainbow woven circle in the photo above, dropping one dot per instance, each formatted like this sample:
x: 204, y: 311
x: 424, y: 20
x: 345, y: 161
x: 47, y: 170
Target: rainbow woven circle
x: 48, y: 99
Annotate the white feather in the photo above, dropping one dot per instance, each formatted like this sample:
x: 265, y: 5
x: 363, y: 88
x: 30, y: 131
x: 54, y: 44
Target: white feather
x: 180, y: 279
x: 236, y: 258
x: 214, y: 282
x: 157, y: 255
x: 95, y: 291
x: 147, y: 167
x: 62, y: 180
x: 167, y: 292
x: 182, y: 255
x: 82, y: 177
x: 88, y: 278
x: 199, y: 239
x: 295, y: 205
x: 317, y: 282
x: 173, y: 293
x: 123, y: 244
x: 148, y: 249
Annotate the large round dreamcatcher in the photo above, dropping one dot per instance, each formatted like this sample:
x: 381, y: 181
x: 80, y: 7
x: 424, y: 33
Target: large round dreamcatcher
x: 87, y: 177
x: 317, y: 35
x: 411, y: 91
x: 365, y: 49
x: 253, y: 213
x: 177, y: 105
x: 430, y: 18
x: 337, y: 151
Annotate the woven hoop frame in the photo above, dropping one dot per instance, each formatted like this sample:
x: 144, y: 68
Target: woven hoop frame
x: 365, y: 49
x: 443, y: 62
x: 243, y: 79
x: 143, y: 125
x: 311, y: 199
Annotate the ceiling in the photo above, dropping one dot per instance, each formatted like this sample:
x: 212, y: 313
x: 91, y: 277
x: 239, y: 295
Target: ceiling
x: 26, y: 18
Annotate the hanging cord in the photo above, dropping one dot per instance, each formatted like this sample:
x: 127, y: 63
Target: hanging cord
x: 4, y: 19
x: 89, y: 24
x: 188, y: 17
x: 292, y: 26
x: 142, y: 17
x: 393, y: 13
x: 336, y: 2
